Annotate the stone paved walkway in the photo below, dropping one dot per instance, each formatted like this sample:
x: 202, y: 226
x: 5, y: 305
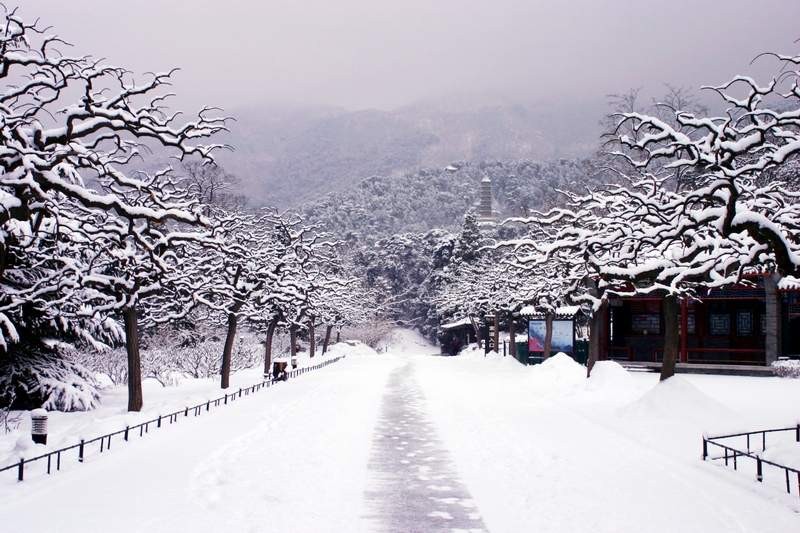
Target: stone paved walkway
x: 413, y: 485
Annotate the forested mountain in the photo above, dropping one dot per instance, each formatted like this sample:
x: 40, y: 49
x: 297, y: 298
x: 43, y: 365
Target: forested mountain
x: 406, y: 234
x: 289, y: 156
x: 381, y: 206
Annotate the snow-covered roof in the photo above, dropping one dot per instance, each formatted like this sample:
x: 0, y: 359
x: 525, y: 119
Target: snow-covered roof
x: 563, y: 311
x: 789, y: 283
x: 486, y: 179
x: 457, y: 323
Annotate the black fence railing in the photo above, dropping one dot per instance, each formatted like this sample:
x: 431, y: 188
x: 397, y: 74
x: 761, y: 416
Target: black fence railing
x: 753, y: 440
x: 103, y: 442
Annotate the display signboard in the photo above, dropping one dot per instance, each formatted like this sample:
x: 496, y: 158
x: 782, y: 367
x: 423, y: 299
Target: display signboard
x: 490, y: 334
x: 563, y: 339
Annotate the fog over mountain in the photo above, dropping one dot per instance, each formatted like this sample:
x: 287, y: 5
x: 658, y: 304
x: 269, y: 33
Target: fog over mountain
x: 288, y: 156
x: 328, y: 93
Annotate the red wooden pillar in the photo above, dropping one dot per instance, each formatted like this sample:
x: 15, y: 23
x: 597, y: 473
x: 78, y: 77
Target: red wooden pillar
x: 684, y: 354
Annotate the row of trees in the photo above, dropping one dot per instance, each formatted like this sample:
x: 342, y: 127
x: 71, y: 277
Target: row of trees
x: 698, y: 201
x: 94, y: 246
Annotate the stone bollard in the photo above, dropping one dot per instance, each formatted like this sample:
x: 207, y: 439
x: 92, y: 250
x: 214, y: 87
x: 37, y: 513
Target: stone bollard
x: 39, y: 426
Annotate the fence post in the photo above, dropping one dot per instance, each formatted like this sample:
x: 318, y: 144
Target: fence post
x: 226, y: 398
x: 705, y: 448
x: 21, y: 472
x: 759, y: 473
x: 797, y: 433
x: 80, y: 452
x: 159, y: 421
x: 127, y: 428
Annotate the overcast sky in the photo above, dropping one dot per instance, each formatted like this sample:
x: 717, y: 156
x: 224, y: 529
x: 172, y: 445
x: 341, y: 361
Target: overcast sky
x: 384, y: 54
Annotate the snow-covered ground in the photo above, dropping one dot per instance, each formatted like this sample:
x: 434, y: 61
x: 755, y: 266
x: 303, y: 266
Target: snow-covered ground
x: 66, y: 429
x: 543, y: 449
x: 525, y: 448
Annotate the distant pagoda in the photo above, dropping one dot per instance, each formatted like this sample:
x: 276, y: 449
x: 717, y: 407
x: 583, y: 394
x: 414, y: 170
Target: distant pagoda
x: 486, y: 214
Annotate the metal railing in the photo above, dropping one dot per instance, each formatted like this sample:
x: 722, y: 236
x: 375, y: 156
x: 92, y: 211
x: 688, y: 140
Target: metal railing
x: 730, y: 454
x: 54, y: 457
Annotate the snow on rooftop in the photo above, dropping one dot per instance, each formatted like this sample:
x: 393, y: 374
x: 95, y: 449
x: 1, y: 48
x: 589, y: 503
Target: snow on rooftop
x: 457, y: 323
x: 789, y: 283
x: 565, y: 310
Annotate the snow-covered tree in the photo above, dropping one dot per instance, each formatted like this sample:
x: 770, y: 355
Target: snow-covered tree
x: 72, y: 128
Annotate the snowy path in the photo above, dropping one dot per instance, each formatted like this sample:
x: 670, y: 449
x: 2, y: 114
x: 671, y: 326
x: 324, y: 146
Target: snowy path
x: 414, y: 486
x: 291, y: 459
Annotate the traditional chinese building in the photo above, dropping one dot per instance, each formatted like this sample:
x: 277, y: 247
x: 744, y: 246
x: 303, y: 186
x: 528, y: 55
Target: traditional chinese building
x: 752, y: 323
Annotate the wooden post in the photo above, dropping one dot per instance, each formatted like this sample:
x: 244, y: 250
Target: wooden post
x: 512, y: 337
x: 497, y: 332
x: 684, y: 330
x: 772, y: 319
x: 135, y: 397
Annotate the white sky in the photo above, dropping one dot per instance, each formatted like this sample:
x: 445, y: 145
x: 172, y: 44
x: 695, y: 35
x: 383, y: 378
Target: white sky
x: 378, y: 53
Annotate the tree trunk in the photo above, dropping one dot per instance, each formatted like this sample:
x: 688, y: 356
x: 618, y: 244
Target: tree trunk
x: 293, y: 342
x: 327, y: 340
x: 228, y: 351
x: 338, y: 335
x: 135, y: 399
x: 312, y: 341
x: 512, y: 338
x: 548, y: 335
x: 268, y: 347
x: 230, y: 336
x: 596, y: 328
x: 671, y: 335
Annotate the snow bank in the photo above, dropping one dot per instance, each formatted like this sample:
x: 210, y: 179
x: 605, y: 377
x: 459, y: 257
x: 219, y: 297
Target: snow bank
x: 350, y: 349
x: 608, y: 376
x: 677, y: 398
x: 787, y: 454
x: 558, y: 372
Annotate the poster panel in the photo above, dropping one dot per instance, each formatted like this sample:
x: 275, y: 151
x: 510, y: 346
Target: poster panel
x: 563, y: 336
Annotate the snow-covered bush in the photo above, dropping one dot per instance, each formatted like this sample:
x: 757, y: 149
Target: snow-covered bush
x: 168, y: 354
x: 370, y: 333
x: 37, y: 378
x: 9, y: 419
x: 787, y: 368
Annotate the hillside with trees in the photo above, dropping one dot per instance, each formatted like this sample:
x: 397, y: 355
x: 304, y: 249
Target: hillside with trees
x: 381, y: 206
